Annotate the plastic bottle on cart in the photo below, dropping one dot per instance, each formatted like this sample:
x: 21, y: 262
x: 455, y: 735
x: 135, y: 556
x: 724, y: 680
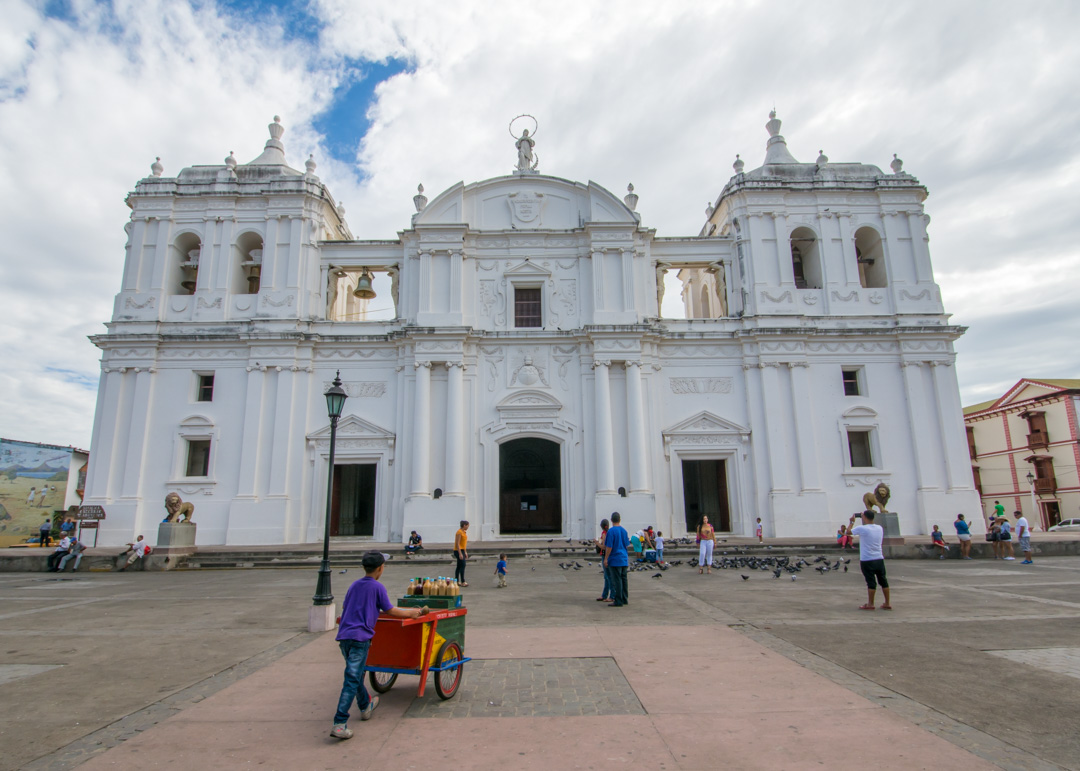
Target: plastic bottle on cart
x: 441, y: 592
x: 455, y: 590
x: 411, y: 588
x: 425, y: 588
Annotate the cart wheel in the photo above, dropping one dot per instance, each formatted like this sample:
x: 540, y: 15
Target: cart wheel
x: 447, y: 681
x: 382, y: 681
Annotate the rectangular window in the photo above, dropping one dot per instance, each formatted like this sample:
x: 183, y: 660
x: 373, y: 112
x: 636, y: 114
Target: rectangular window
x: 859, y: 449
x: 206, y: 388
x: 198, y: 458
x: 527, y: 309
x: 851, y: 382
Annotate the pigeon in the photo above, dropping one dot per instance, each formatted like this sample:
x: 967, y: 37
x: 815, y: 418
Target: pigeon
x: 342, y: 572
x: 776, y: 573
x: 658, y: 575
x: 551, y: 540
x: 845, y: 568
x: 745, y: 578
x: 569, y: 540
x: 794, y: 577
x: 533, y: 569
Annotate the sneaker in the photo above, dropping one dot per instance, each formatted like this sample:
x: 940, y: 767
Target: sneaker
x: 1028, y: 562
x: 941, y: 557
x: 366, y: 714
x: 969, y: 558
x: 1010, y: 559
x: 341, y: 731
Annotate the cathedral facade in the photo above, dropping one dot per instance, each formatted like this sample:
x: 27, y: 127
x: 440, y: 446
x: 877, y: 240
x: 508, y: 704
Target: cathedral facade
x: 523, y: 376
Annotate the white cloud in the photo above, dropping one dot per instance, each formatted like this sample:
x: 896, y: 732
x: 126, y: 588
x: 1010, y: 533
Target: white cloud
x: 974, y: 97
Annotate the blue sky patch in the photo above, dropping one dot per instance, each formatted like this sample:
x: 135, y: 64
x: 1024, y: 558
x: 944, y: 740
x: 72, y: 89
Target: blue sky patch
x: 297, y: 22
x: 89, y: 382
x: 345, y: 122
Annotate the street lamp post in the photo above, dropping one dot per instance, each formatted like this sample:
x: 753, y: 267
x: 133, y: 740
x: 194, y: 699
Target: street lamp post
x: 1034, y: 502
x: 322, y: 612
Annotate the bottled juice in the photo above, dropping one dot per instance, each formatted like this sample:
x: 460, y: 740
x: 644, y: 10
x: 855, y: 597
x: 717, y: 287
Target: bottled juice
x: 426, y: 586
x: 412, y: 587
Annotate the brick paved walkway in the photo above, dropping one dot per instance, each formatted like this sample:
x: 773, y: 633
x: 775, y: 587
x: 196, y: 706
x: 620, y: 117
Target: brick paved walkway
x: 535, y: 688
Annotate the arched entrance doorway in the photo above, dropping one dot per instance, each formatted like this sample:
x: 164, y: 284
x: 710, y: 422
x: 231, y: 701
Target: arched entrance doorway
x: 530, y: 486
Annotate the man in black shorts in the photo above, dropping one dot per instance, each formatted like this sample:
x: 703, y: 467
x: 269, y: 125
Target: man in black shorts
x: 871, y: 558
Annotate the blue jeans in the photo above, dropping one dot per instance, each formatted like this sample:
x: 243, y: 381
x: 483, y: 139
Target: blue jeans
x: 355, y: 653
x: 608, y: 592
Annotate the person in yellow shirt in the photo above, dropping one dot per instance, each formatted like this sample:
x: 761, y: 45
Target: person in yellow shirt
x: 461, y: 541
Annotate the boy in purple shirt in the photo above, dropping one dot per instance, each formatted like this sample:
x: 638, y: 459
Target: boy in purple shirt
x: 359, y: 612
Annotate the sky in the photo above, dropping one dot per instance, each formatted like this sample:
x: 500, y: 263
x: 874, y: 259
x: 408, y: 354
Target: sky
x: 978, y: 98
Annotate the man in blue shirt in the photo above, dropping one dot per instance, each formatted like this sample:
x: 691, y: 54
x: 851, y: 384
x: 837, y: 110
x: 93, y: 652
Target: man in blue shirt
x: 616, y: 560
x: 359, y: 612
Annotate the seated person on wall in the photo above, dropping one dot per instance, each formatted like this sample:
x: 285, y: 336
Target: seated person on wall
x: 415, y: 544
x: 75, y: 550
x: 137, y: 549
x: 59, y: 553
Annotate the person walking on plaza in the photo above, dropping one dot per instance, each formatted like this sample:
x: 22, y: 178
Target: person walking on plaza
x: 659, y: 547
x: 364, y: 600
x: 44, y: 531
x: 500, y: 571
x: 1023, y: 535
x: 608, y: 595
x: 937, y: 538
x: 461, y: 541
x: 999, y: 511
x: 706, y: 538
x: 871, y: 558
x: 963, y: 534
x: 616, y: 560
x: 757, y: 531
x: 994, y: 535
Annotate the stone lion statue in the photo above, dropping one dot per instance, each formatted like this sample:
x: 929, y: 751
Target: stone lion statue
x: 879, y: 497
x: 178, y: 510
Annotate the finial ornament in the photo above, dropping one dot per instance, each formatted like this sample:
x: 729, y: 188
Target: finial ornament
x: 276, y: 129
x: 310, y: 164
x: 156, y: 168
x: 709, y: 209
x: 230, y: 162
x: 773, y: 126
x: 739, y: 164
x: 527, y: 159
x: 897, y: 165
x: 419, y: 200
x: 822, y: 158
x: 630, y: 199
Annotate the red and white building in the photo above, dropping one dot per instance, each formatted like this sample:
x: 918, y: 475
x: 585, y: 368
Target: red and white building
x: 1025, y: 450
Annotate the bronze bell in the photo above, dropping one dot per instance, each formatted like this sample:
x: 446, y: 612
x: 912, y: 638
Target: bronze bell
x: 363, y: 287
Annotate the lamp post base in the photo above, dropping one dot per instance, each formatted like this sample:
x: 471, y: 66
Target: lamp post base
x: 322, y: 618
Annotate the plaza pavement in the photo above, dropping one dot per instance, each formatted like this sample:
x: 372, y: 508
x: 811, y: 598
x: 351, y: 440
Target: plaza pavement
x: 976, y: 668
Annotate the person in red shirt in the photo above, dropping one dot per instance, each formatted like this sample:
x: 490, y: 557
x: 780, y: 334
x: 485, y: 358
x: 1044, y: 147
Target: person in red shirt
x: 359, y: 612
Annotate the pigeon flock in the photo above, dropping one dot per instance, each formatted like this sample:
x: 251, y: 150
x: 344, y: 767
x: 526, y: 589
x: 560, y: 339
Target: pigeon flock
x: 777, y: 566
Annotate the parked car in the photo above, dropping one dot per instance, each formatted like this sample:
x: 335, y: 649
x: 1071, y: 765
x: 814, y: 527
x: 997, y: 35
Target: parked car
x: 1065, y: 525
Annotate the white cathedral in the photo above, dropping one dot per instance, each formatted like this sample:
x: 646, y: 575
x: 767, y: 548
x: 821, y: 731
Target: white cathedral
x: 524, y: 378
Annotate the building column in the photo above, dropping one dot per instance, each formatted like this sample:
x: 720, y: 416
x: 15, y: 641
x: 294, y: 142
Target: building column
x: 804, y: 427
x: 953, y: 442
x: 103, y: 455
x: 605, y: 454
x: 252, y: 441
x: 136, y: 443
x: 635, y: 415
x: 283, y: 433
x: 778, y: 465
x: 455, y: 428
x: 421, y: 435
x: 918, y: 420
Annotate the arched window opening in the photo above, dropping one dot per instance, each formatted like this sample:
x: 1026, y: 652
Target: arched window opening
x: 806, y: 259
x: 871, y: 258
x: 247, y: 264
x: 184, y: 264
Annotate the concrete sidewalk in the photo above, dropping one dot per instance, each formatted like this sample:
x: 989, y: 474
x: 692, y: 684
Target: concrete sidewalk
x: 758, y: 710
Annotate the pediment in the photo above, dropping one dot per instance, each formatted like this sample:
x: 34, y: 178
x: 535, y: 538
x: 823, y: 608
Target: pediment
x: 529, y: 400
x: 352, y: 427
x: 1025, y: 390
x: 526, y: 269
x: 706, y: 422
x: 196, y: 421
x: 860, y: 412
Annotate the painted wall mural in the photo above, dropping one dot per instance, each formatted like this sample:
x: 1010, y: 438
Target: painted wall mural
x: 33, y: 484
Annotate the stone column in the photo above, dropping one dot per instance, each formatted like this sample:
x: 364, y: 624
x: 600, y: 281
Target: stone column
x: 421, y: 436
x: 605, y: 454
x: 283, y: 433
x: 455, y: 428
x: 801, y: 399
x: 252, y: 440
x: 918, y: 420
x: 137, y: 433
x: 635, y: 416
x: 953, y: 440
x: 106, y: 420
x: 778, y: 465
